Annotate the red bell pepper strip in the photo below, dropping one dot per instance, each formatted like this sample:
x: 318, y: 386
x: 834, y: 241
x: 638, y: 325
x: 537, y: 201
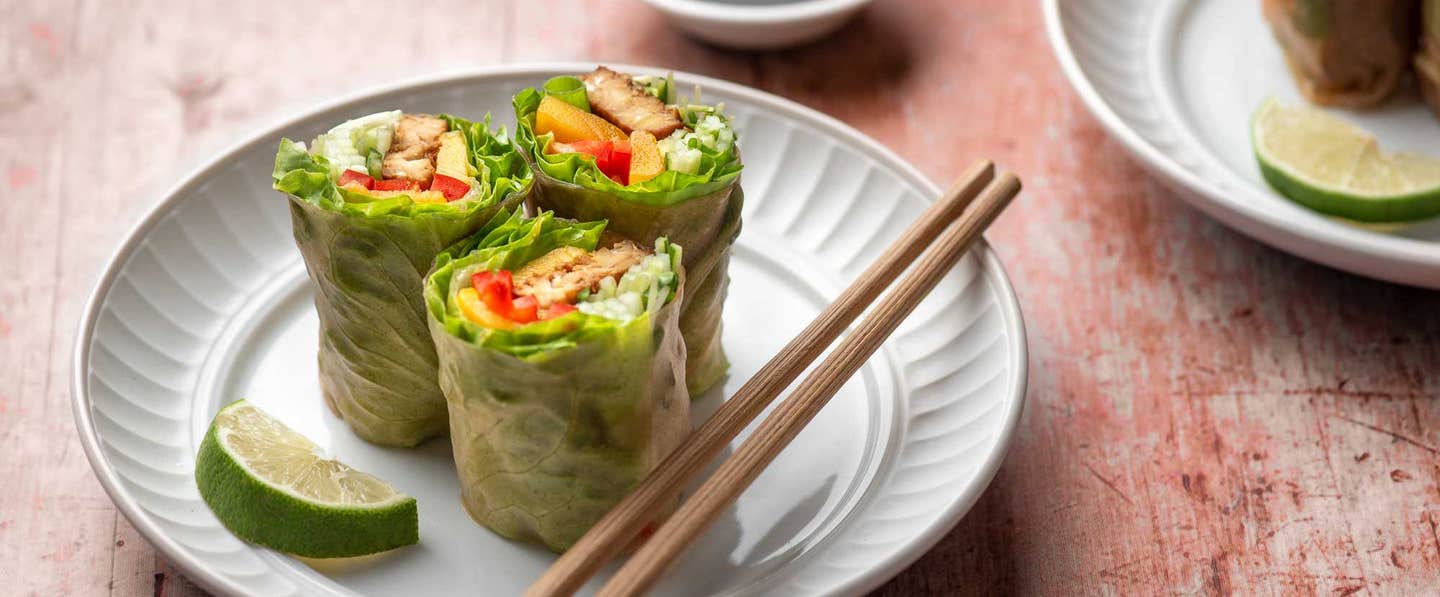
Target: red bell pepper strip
x: 495, y: 289
x: 497, y: 292
x: 558, y: 310
x: 558, y: 147
x: 611, y: 157
x: 453, y: 188
x: 619, y: 163
x: 396, y: 184
x: 602, y: 151
x: 597, y: 148
x: 524, y: 309
x: 352, y: 176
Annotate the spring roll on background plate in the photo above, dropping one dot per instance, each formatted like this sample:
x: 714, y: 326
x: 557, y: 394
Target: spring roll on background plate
x: 372, y: 202
x: 630, y: 150
x: 1349, y: 53
x: 563, y: 365
x: 1427, y: 60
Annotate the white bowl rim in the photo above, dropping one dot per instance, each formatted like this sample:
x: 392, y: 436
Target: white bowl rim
x: 1295, y: 236
x: 758, y: 14
x: 1017, y: 359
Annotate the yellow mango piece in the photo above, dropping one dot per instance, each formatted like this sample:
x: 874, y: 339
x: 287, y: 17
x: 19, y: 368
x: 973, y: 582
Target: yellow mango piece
x: 603, y: 128
x: 646, y: 161
x: 450, y: 159
x: 475, y: 310
x: 570, y: 124
x: 428, y: 197
x: 566, y: 122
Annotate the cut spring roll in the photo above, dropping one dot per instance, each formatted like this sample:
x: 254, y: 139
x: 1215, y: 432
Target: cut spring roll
x: 1427, y: 61
x: 372, y: 201
x: 609, y: 146
x: 1350, y: 53
x: 564, y: 369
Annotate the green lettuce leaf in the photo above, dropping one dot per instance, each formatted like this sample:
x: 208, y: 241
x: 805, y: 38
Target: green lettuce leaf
x: 366, y: 258
x: 554, y: 422
x: 698, y: 212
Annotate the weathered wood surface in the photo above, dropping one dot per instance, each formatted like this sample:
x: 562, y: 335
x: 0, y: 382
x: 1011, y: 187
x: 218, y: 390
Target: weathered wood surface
x: 1206, y: 415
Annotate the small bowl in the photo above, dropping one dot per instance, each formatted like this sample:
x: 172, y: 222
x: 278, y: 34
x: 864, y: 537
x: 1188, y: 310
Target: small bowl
x: 758, y: 24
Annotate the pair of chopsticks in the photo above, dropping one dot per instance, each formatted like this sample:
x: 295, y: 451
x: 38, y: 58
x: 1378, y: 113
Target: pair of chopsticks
x: 950, y: 227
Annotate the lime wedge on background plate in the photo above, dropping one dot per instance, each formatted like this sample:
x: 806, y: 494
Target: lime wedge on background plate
x: 270, y: 485
x: 1336, y: 168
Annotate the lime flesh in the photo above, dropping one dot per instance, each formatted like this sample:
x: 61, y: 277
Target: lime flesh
x: 269, y: 485
x: 1336, y: 168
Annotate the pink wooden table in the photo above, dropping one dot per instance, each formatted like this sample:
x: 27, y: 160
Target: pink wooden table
x: 1206, y: 415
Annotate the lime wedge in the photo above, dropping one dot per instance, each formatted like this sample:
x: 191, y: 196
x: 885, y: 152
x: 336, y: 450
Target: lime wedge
x: 270, y: 485
x: 1336, y: 168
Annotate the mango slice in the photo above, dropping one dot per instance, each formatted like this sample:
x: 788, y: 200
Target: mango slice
x: 646, y: 161
x: 428, y: 197
x: 570, y: 124
x: 450, y: 159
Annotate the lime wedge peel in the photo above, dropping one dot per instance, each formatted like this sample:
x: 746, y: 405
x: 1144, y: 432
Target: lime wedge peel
x: 1337, y: 168
x: 271, y: 486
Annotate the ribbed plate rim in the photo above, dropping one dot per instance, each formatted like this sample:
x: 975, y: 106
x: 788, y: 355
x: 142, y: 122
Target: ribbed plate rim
x: 197, y: 571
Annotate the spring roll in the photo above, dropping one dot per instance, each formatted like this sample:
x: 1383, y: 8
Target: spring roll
x: 372, y: 201
x: 1349, y: 53
x: 608, y: 146
x: 563, y: 366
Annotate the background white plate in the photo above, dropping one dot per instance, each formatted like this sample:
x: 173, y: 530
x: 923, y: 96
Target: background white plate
x: 1176, y: 82
x: 207, y: 302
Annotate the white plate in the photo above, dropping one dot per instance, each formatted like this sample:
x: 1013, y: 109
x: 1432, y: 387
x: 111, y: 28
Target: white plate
x: 1176, y: 82
x: 207, y: 301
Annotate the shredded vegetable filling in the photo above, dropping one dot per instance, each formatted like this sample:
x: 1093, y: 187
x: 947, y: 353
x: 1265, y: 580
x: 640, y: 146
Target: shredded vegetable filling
x: 682, y: 148
x: 644, y: 287
x: 353, y: 144
x: 618, y: 283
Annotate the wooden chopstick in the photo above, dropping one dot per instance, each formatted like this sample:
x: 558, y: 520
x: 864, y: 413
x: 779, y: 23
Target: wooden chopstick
x: 777, y: 430
x: 612, y: 533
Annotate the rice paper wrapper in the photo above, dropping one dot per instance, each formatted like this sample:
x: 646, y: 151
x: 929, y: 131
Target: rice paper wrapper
x: 377, y: 363
x: 705, y: 227
x: 1349, y: 53
x: 550, y: 433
